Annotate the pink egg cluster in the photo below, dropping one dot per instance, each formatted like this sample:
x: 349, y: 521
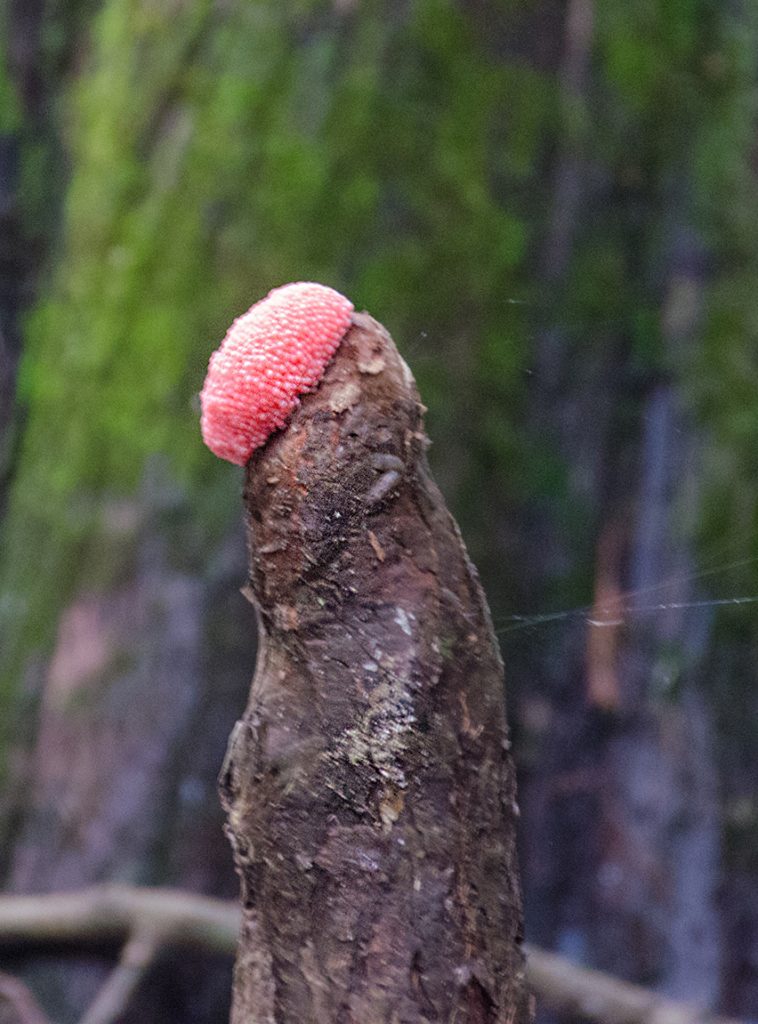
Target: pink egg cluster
x: 269, y: 357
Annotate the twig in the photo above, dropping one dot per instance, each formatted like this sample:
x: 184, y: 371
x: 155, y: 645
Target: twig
x: 163, y: 917
x: 565, y: 987
x: 137, y: 957
x: 14, y: 992
x: 145, y: 920
x: 112, y: 913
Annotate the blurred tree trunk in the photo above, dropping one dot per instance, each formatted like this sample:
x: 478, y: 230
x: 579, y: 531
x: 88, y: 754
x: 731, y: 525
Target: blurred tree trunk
x: 659, y: 858
x: 622, y: 836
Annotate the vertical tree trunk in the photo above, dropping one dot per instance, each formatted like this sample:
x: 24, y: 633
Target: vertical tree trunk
x: 369, y: 788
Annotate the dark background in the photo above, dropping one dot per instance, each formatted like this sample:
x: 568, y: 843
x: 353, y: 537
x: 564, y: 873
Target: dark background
x: 552, y: 206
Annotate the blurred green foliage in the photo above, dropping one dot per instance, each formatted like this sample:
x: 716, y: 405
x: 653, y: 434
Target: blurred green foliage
x: 9, y: 108
x: 215, y: 157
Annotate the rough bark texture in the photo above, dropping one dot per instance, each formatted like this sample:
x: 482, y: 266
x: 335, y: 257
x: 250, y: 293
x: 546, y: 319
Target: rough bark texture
x: 369, y: 787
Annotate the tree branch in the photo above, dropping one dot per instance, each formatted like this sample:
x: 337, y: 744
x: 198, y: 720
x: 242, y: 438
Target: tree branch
x: 111, y: 913
x: 137, y: 957
x: 14, y: 993
x: 168, y: 917
x: 565, y: 987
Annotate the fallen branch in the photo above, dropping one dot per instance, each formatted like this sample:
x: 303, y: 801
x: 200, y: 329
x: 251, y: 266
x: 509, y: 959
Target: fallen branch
x: 14, y: 993
x: 142, y: 921
x: 148, y: 920
x: 137, y: 957
x: 567, y: 988
x: 112, y: 913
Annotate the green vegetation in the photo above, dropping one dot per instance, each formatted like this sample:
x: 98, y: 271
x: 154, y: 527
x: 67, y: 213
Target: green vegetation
x: 9, y: 110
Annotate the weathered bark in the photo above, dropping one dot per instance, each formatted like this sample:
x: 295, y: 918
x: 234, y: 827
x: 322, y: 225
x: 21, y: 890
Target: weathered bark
x: 369, y: 787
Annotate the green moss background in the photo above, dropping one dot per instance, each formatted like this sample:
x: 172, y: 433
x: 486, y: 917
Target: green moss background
x: 216, y: 157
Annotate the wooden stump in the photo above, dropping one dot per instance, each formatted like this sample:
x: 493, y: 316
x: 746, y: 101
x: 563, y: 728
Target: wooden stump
x: 369, y: 790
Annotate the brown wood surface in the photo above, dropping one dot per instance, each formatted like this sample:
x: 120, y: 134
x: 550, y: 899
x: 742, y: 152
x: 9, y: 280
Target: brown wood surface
x: 369, y: 789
